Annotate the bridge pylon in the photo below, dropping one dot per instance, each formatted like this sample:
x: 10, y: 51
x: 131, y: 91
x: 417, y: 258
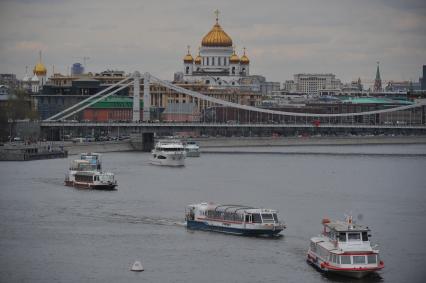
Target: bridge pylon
x: 136, y: 97
x: 146, y: 97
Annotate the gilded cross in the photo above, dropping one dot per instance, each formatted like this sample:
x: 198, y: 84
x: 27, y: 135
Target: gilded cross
x: 217, y: 15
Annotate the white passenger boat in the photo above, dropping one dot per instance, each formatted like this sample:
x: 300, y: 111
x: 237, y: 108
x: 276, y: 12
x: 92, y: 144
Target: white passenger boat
x: 86, y: 173
x: 344, y: 248
x: 168, y: 153
x: 233, y: 219
x: 192, y: 149
x: 95, y: 180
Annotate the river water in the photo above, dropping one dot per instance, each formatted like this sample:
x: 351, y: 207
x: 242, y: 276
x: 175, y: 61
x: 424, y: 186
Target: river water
x: 53, y: 233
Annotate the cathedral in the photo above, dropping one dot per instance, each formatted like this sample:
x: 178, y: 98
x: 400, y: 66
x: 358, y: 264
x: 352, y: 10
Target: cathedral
x: 35, y: 83
x: 217, y: 63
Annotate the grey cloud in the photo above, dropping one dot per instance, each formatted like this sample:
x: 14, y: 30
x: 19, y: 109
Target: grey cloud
x: 283, y: 37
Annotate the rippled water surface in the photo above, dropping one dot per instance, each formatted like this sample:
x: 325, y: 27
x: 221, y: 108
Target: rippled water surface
x: 52, y: 233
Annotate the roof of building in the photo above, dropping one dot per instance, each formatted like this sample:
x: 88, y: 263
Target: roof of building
x: 377, y: 100
x: 217, y: 37
x: 115, y: 102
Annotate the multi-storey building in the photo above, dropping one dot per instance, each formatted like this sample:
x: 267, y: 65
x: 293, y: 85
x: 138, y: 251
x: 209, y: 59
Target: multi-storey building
x: 312, y: 83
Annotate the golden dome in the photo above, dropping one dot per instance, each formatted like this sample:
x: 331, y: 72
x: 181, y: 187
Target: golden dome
x: 188, y: 57
x: 244, y: 59
x: 234, y: 58
x: 198, y: 58
x: 39, y: 69
x: 216, y: 37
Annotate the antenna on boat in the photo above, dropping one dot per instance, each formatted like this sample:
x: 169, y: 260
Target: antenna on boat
x: 349, y: 220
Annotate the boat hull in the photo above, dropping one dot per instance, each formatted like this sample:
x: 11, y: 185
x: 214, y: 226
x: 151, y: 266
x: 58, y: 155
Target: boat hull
x: 198, y: 225
x: 349, y: 272
x: 193, y: 154
x: 103, y: 187
x: 168, y: 162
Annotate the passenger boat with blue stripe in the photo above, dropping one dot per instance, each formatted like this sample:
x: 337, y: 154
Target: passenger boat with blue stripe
x: 344, y: 248
x: 233, y: 219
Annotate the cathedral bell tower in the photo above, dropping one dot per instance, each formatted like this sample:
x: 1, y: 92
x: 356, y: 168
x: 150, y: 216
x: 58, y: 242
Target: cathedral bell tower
x: 188, y: 63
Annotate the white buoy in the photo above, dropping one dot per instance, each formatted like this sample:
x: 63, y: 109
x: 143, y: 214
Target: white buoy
x: 137, y: 266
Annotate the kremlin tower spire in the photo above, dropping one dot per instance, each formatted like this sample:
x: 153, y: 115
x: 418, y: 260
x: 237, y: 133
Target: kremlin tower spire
x: 378, y: 81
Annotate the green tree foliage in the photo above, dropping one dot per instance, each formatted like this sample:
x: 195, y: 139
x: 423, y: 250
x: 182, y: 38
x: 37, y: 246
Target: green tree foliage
x: 17, y: 107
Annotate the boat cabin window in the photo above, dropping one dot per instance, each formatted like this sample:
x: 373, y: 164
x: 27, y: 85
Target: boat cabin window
x: 248, y: 218
x: 171, y: 149
x: 364, y: 236
x: 342, y: 237
x: 345, y: 259
x: 275, y: 217
x: 359, y: 259
x: 161, y: 157
x: 313, y: 247
x: 256, y: 218
x: 371, y: 259
x: 84, y: 178
x: 354, y: 237
x: 267, y: 217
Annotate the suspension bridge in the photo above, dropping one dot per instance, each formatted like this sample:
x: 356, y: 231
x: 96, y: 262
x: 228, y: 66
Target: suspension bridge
x: 219, y: 114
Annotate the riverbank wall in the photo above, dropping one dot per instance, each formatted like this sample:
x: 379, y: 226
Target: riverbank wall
x: 307, y: 141
x: 110, y: 146
x: 234, y: 142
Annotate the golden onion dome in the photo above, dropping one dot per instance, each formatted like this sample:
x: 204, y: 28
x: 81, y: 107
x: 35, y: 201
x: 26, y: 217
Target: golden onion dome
x: 234, y: 58
x: 188, y: 57
x: 216, y: 37
x: 244, y: 59
x: 39, y: 69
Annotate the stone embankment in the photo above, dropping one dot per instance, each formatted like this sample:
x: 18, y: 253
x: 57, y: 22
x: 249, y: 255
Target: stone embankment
x: 210, y: 143
x: 308, y: 141
x: 110, y: 146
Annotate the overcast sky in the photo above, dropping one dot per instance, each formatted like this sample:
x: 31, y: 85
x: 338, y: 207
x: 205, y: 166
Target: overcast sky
x: 344, y: 37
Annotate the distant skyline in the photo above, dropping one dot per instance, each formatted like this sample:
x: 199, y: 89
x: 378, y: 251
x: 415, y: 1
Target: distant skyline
x: 344, y: 37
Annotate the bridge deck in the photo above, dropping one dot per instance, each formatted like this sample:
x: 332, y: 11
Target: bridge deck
x: 224, y: 125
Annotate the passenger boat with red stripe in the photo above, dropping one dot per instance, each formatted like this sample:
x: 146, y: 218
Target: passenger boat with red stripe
x: 85, y: 173
x: 233, y: 219
x: 344, y: 248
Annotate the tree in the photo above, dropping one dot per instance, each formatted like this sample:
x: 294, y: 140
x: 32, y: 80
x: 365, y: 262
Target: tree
x: 17, y: 107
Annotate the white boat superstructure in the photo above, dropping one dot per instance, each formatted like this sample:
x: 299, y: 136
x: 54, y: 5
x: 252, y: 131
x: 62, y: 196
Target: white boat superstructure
x: 192, y: 149
x: 93, y: 158
x: 86, y: 173
x: 344, y: 247
x: 168, y: 153
x: 94, y: 180
x: 77, y: 166
x: 233, y: 219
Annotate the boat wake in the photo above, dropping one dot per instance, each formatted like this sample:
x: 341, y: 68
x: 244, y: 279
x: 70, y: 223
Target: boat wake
x: 116, y: 217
